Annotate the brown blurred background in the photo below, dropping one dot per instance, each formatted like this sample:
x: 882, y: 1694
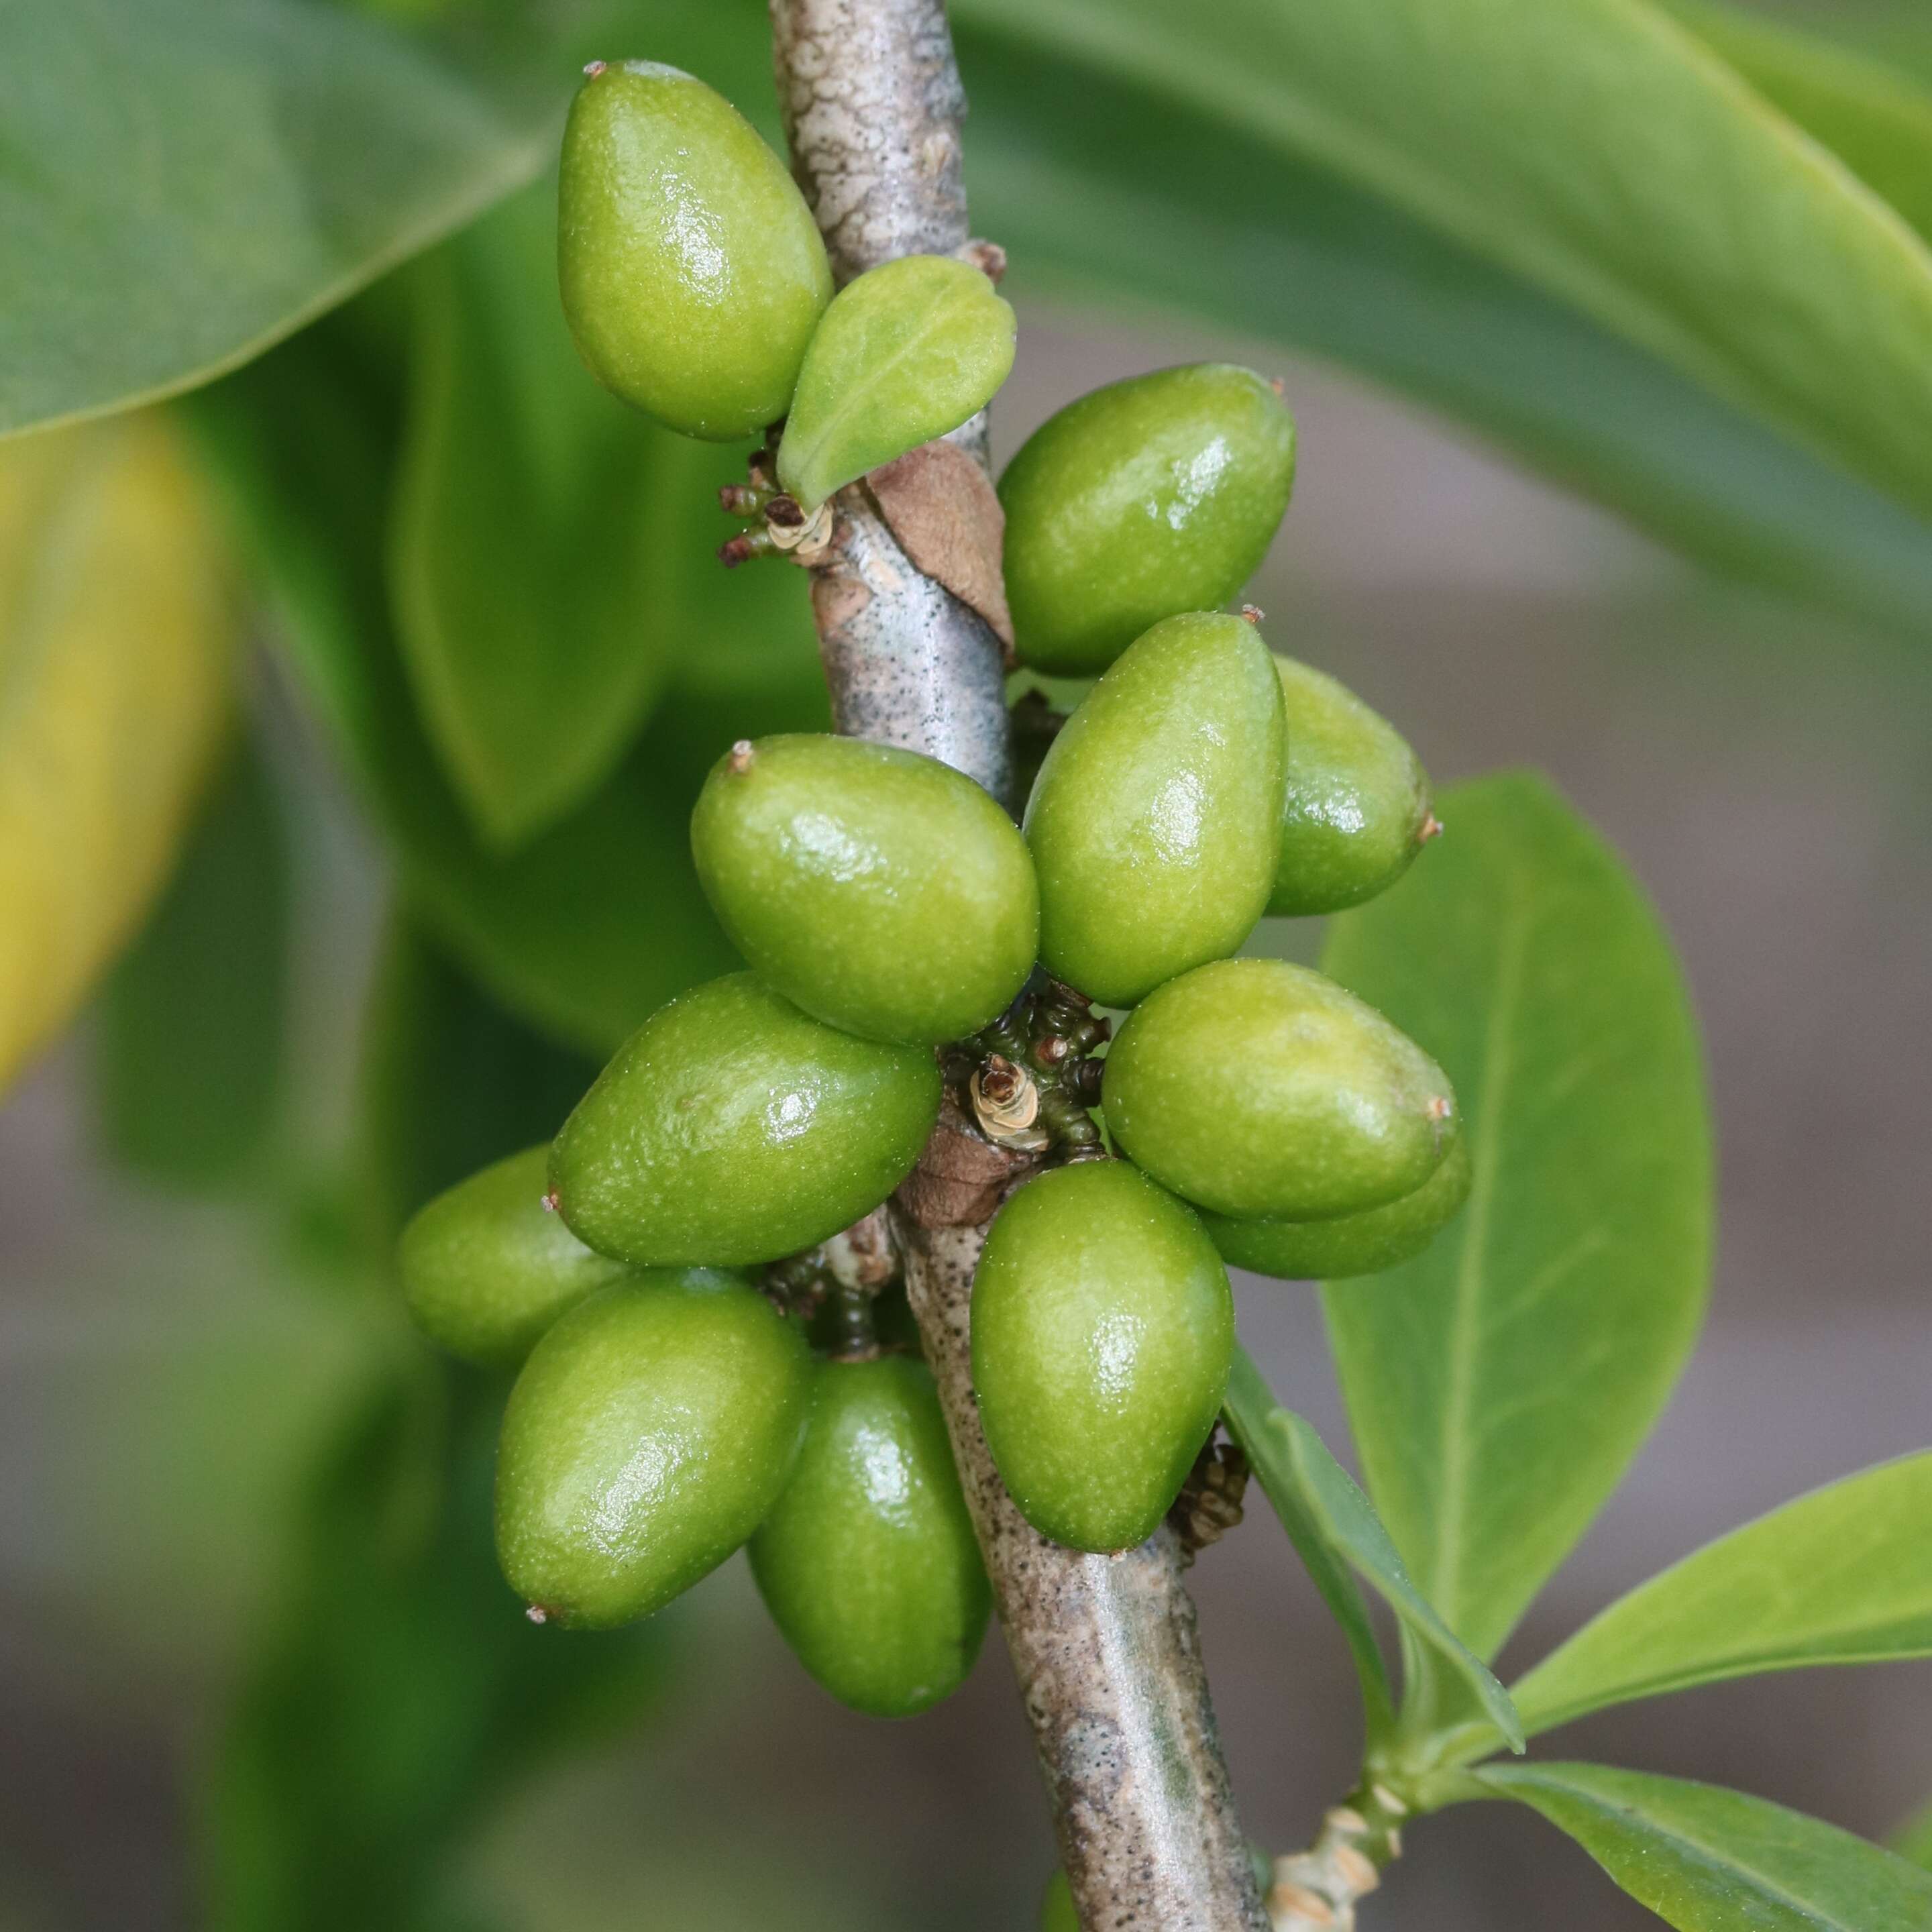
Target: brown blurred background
x: 167, y: 1375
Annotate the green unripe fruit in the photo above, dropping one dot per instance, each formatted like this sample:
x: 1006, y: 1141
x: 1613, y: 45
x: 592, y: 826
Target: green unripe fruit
x: 486, y: 1268
x: 908, y: 351
x: 1263, y: 1090
x: 1145, y: 498
x: 650, y: 1433
x: 869, y: 1563
x: 1157, y: 816
x: 1349, y: 1244
x: 692, y: 272
x: 1102, y: 1328
x: 883, y: 891
x: 732, y: 1128
x: 1356, y: 810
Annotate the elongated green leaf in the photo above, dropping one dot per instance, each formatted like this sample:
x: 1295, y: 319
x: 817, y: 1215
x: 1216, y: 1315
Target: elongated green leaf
x: 1842, y: 1576
x: 1320, y: 1505
x: 1115, y: 192
x: 589, y: 926
x: 1509, y: 125
x: 1250, y: 1411
x: 187, y: 1057
x: 1499, y: 1383
x: 186, y: 180
x: 545, y: 555
x: 116, y: 631
x: 1876, y: 121
x: 1707, y: 1860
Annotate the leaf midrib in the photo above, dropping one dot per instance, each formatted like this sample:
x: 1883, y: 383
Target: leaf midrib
x: 1497, y: 1071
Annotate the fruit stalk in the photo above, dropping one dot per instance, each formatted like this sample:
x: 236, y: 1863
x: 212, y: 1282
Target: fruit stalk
x: 1105, y: 1648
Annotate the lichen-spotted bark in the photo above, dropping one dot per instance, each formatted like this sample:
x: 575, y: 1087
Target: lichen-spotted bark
x: 1105, y: 1648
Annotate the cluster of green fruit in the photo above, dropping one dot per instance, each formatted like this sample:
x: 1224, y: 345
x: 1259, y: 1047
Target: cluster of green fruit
x: 663, y: 1271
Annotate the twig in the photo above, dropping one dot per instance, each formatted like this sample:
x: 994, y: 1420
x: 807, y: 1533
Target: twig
x: 1105, y: 1648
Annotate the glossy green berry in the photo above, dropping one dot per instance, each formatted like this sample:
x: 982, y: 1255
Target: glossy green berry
x: 1102, y: 1328
x: 1261, y: 1089
x: 883, y: 891
x: 1356, y: 809
x: 692, y: 272
x: 1155, y: 819
x: 650, y: 1433
x: 732, y: 1128
x: 486, y: 1268
x: 1349, y: 1244
x: 908, y: 351
x: 868, y: 1564
x: 1147, y: 498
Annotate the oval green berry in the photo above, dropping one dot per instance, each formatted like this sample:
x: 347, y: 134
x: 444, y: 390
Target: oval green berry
x: 731, y: 1128
x: 650, y: 1433
x: 1155, y: 820
x: 486, y: 1268
x: 1102, y: 1328
x: 1349, y: 1244
x: 1356, y: 809
x: 883, y: 891
x: 908, y: 351
x: 1264, y: 1090
x: 692, y: 272
x: 868, y: 1564
x: 1145, y: 498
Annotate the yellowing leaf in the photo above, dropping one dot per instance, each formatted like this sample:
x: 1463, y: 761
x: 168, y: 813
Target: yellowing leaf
x: 115, y: 635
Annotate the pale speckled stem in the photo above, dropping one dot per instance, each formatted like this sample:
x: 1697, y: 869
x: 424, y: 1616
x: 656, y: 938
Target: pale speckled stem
x: 1105, y: 1648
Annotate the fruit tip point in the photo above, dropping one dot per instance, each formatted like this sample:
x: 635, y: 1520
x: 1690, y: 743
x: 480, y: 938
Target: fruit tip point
x: 592, y: 69
x: 1252, y: 613
x: 1440, y: 1107
x: 1432, y: 827
x: 550, y: 1201
x: 537, y: 1613
x: 742, y: 756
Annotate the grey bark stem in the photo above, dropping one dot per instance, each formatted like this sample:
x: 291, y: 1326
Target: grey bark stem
x: 1105, y: 1648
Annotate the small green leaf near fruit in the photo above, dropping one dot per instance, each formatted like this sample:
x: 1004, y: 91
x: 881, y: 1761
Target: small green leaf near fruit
x: 910, y: 349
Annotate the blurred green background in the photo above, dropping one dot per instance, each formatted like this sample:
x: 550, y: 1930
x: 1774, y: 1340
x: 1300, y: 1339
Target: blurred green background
x: 256, y: 1672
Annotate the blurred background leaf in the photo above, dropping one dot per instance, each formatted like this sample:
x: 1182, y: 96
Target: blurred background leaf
x: 1707, y: 1860
x: 398, y: 1690
x: 551, y: 550
x: 116, y: 631
x: 187, y: 1055
x: 590, y: 925
x: 1499, y: 1384
x: 208, y: 175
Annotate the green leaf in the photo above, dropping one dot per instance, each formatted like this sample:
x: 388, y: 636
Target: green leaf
x: 1499, y: 1384
x: 910, y: 349
x: 1320, y: 1507
x: 1707, y: 1860
x: 1249, y: 1411
x: 1876, y: 120
x: 116, y: 633
x: 548, y: 552
x: 1599, y: 151
x: 1116, y: 194
x: 188, y: 181
x: 187, y: 1054
x: 1842, y: 1576
x: 591, y: 925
